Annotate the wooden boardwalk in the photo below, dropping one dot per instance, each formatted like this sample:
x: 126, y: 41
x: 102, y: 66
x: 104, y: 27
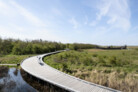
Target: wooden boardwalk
x: 36, y: 67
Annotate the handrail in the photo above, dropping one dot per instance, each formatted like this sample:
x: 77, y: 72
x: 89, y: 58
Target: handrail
x: 62, y: 86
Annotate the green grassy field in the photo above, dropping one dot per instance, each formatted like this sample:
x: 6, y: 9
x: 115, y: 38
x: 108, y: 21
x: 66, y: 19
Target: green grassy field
x: 12, y: 59
x: 117, y: 69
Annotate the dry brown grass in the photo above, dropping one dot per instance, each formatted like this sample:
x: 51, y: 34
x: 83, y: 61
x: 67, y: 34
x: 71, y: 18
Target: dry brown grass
x: 116, y: 69
x: 132, y: 47
x: 120, y: 81
x: 95, y: 50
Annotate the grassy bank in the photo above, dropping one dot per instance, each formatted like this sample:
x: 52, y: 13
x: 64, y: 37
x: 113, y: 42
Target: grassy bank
x: 12, y: 59
x: 117, y: 69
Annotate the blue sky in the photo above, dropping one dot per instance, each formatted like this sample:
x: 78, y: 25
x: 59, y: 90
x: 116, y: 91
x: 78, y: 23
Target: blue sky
x: 103, y: 22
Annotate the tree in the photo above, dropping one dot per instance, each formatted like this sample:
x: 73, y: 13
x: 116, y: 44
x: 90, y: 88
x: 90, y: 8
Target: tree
x: 28, y: 49
x: 16, y: 49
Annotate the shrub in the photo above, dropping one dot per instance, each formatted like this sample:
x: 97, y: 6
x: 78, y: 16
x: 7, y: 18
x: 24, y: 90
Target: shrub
x: 95, y: 55
x: 101, y: 61
x: 136, y: 49
x: 87, y: 61
x: 113, y: 61
x: 104, y: 56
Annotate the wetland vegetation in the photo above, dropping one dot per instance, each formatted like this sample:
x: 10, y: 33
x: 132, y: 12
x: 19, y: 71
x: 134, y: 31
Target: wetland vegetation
x: 12, y: 81
x: 12, y: 59
x: 117, y: 69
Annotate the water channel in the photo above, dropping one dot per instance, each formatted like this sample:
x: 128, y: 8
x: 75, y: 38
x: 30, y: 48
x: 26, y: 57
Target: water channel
x: 17, y: 80
x: 12, y: 81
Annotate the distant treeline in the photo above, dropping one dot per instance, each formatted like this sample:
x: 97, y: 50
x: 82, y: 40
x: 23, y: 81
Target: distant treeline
x: 111, y: 47
x: 20, y: 47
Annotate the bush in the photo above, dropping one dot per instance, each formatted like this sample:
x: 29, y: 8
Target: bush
x: 87, y: 61
x: 136, y: 49
x: 101, y: 61
x: 95, y: 55
x: 113, y: 61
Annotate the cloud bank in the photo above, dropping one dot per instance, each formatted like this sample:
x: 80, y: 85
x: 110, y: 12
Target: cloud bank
x: 116, y: 12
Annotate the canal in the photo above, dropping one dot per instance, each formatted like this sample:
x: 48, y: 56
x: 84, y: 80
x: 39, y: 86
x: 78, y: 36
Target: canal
x: 16, y: 80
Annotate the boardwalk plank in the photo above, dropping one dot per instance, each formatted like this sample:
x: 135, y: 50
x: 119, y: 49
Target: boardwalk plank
x: 32, y: 65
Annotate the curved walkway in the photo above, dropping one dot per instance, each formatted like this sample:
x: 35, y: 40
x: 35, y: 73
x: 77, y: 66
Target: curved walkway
x: 36, y: 67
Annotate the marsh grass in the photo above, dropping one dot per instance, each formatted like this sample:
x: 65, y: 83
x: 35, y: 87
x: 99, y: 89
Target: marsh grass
x: 117, y: 69
x: 121, y: 81
x: 12, y: 59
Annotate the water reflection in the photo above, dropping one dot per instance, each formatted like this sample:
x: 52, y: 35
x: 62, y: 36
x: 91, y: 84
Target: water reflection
x: 16, y: 80
x: 13, y: 82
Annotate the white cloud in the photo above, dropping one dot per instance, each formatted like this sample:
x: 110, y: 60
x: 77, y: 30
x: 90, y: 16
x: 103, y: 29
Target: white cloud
x: 117, y: 12
x: 28, y: 15
x: 34, y: 28
x: 47, y: 34
x: 74, y: 22
x: 6, y: 32
x: 37, y: 33
x: 13, y: 9
x: 5, y: 9
x: 103, y: 8
x: 3, y: 5
x: 17, y: 27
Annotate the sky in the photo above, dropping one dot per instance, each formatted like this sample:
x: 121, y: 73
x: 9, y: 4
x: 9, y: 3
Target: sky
x: 101, y: 22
